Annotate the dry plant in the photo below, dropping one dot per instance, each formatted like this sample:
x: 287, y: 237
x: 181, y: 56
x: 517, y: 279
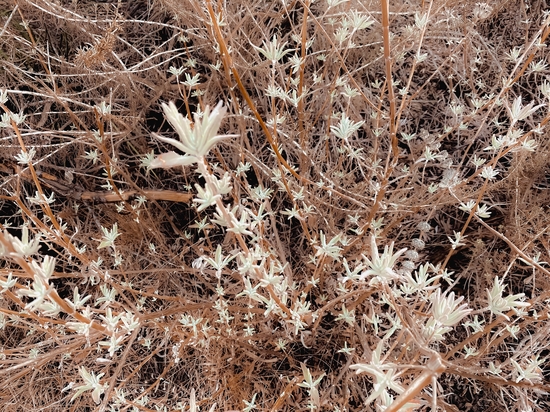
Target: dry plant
x: 281, y: 205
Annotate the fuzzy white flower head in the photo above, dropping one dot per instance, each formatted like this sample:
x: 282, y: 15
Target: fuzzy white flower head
x: 196, y: 139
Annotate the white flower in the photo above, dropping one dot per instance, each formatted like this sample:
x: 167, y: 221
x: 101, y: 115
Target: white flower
x: 45, y: 269
x: 467, y: 207
x: 381, y: 267
x: 195, y: 139
x: 457, y: 241
x: 5, y: 120
x: 517, y: 112
x: 18, y: 118
x: 241, y: 225
x: 385, y: 376
x: 192, y: 81
x: 531, y: 372
x: 205, y: 197
x: 346, y: 128
x: 219, y: 262
x: 447, y: 310
x: 483, y: 211
x: 498, y: 304
x: 38, y: 198
x: 24, y: 246
x: 273, y: 50
x: 112, y: 344
x: 92, y: 382
x: 8, y: 283
x: 311, y: 384
x: 421, y: 281
x: 40, y: 291
x: 24, y: 158
x: 347, y: 316
x: 489, y: 173
x: 176, y: 71
x: 329, y: 249
x: 222, y: 185
x: 111, y: 322
x: 109, y: 236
